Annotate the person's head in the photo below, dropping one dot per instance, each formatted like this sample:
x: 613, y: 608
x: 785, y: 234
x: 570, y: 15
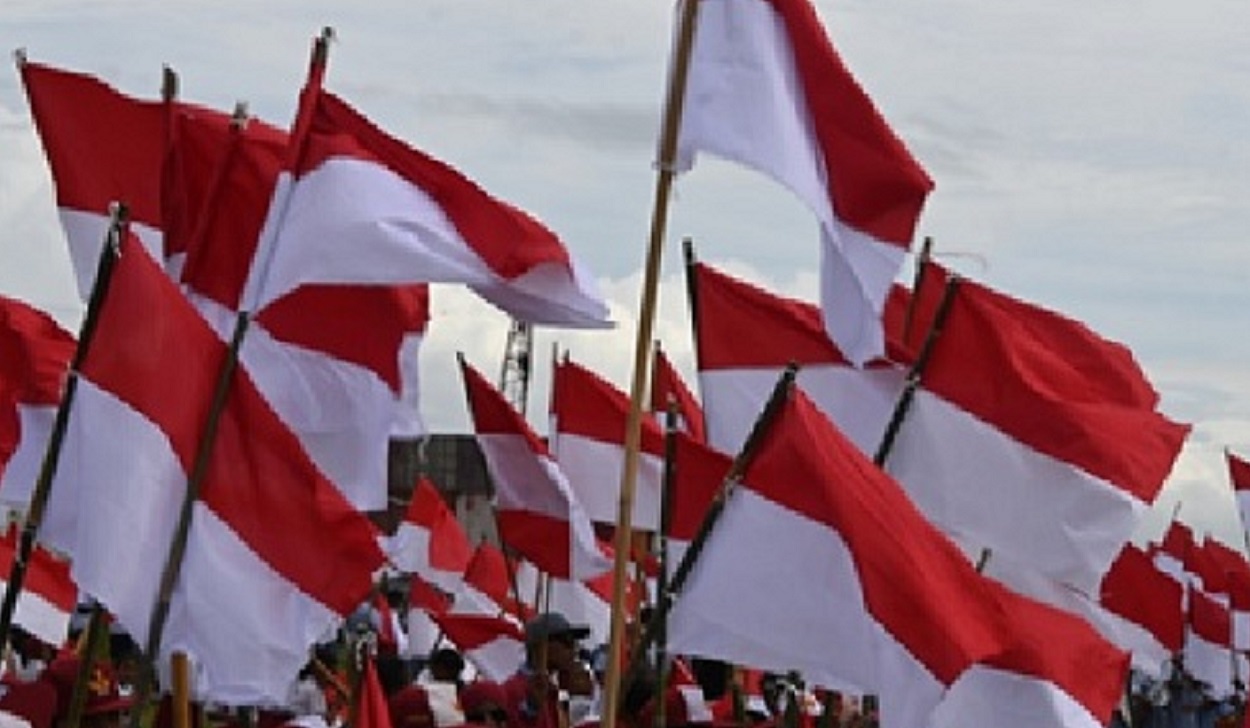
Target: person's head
x: 552, y: 632
x: 484, y: 703
x: 446, y: 665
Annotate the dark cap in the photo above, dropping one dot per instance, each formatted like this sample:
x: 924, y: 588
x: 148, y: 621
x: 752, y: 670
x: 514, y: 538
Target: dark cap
x: 553, y: 624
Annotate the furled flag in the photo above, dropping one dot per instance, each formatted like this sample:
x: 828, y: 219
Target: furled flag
x: 34, y: 361
x: 275, y: 555
x: 767, y: 89
x: 48, y: 595
x: 538, y: 514
x: 876, y: 599
x: 1239, y: 476
x: 495, y: 646
x: 1029, y: 435
x: 198, y: 187
x: 430, y: 542
x: 668, y: 386
x: 409, y: 218
x: 588, y: 417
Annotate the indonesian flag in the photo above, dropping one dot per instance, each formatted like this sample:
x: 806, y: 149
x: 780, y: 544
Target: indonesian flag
x: 766, y: 89
x: 495, y: 646
x: 198, y: 191
x: 1207, y: 642
x: 668, y: 386
x: 48, y: 595
x: 538, y: 514
x: 1149, y: 605
x: 430, y: 542
x: 1171, y: 554
x: 355, y: 205
x: 488, y: 586
x: 1232, y: 564
x: 371, y: 706
x: 1239, y: 476
x: 1030, y: 435
x: 588, y: 423
x: 700, y: 477
x: 34, y: 360
x: 275, y: 555
x: 877, y: 600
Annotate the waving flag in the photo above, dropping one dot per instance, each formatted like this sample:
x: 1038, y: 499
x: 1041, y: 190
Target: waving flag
x: 48, y: 595
x: 588, y: 424
x: 668, y: 386
x: 34, y: 360
x: 876, y: 598
x: 430, y: 542
x: 275, y: 555
x: 495, y: 646
x: 1136, y: 591
x: 766, y: 89
x: 409, y: 219
x: 1030, y: 435
x: 537, y: 512
x: 1239, y: 476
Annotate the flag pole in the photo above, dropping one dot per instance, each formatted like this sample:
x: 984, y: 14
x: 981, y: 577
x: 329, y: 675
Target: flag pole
x: 646, y: 321
x: 763, y: 424
x: 922, y: 263
x: 182, y: 529
x: 118, y: 216
x: 917, y: 369
x: 93, y: 641
x: 661, y: 580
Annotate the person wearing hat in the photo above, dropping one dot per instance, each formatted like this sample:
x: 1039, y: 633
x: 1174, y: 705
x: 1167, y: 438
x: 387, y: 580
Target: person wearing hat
x: 551, y: 671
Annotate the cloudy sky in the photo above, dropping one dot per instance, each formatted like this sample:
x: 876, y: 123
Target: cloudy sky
x: 1090, y: 157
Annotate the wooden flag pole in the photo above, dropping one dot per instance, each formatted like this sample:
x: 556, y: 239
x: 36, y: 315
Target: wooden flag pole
x: 182, y: 529
x: 916, y: 371
x: 646, y: 322
x: 180, y: 689
x: 118, y: 216
x: 763, y: 424
x: 93, y: 641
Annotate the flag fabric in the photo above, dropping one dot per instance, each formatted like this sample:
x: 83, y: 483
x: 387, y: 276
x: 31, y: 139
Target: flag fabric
x: 766, y: 89
x: 701, y: 473
x: 1208, y: 640
x: 410, y: 219
x: 1136, y: 591
x: 1030, y: 435
x: 495, y: 646
x: 371, y: 705
x: 588, y: 417
x: 668, y: 386
x: 1234, y: 567
x: 1171, y: 553
x: 48, y: 597
x: 1239, y: 476
x: 488, y: 586
x: 275, y: 556
x: 883, y: 602
x: 198, y: 188
x: 429, y: 541
x: 35, y: 353
x: 537, y: 513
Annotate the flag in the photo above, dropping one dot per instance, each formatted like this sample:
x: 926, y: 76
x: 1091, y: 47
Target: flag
x: 1136, y: 591
x: 371, y: 705
x: 48, y: 597
x: 668, y: 386
x: 275, y: 556
x: 1234, y: 567
x: 538, y: 514
x: 1030, y: 435
x: 429, y: 541
x: 1208, y: 640
x: 1239, y: 476
x: 1171, y: 554
x: 35, y: 353
x: 495, y: 646
x: 766, y: 89
x: 588, y: 418
x: 488, y: 586
x: 409, y: 218
x: 876, y: 599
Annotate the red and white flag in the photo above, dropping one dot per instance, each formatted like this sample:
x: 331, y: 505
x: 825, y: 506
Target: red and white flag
x: 538, y: 514
x: 1208, y: 641
x: 877, y: 600
x: 668, y: 386
x: 408, y: 219
x: 588, y: 417
x: 766, y: 89
x: 275, y: 555
x: 430, y: 542
x: 489, y: 585
x: 1030, y: 435
x: 48, y: 596
x: 1239, y: 477
x: 1171, y: 553
x: 495, y: 646
x: 35, y: 353
x: 1149, y: 605
x: 1236, y: 572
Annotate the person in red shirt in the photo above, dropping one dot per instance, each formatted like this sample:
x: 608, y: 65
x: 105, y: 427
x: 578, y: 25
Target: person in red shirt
x: 552, y: 669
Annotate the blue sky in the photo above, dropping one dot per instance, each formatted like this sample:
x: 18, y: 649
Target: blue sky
x: 1089, y: 157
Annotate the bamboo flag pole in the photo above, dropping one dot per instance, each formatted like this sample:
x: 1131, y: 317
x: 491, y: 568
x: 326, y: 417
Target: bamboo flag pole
x: 646, y: 321
x: 182, y: 529
x: 917, y: 370
x: 93, y: 641
x: 180, y: 689
x: 118, y: 216
x: 763, y: 424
